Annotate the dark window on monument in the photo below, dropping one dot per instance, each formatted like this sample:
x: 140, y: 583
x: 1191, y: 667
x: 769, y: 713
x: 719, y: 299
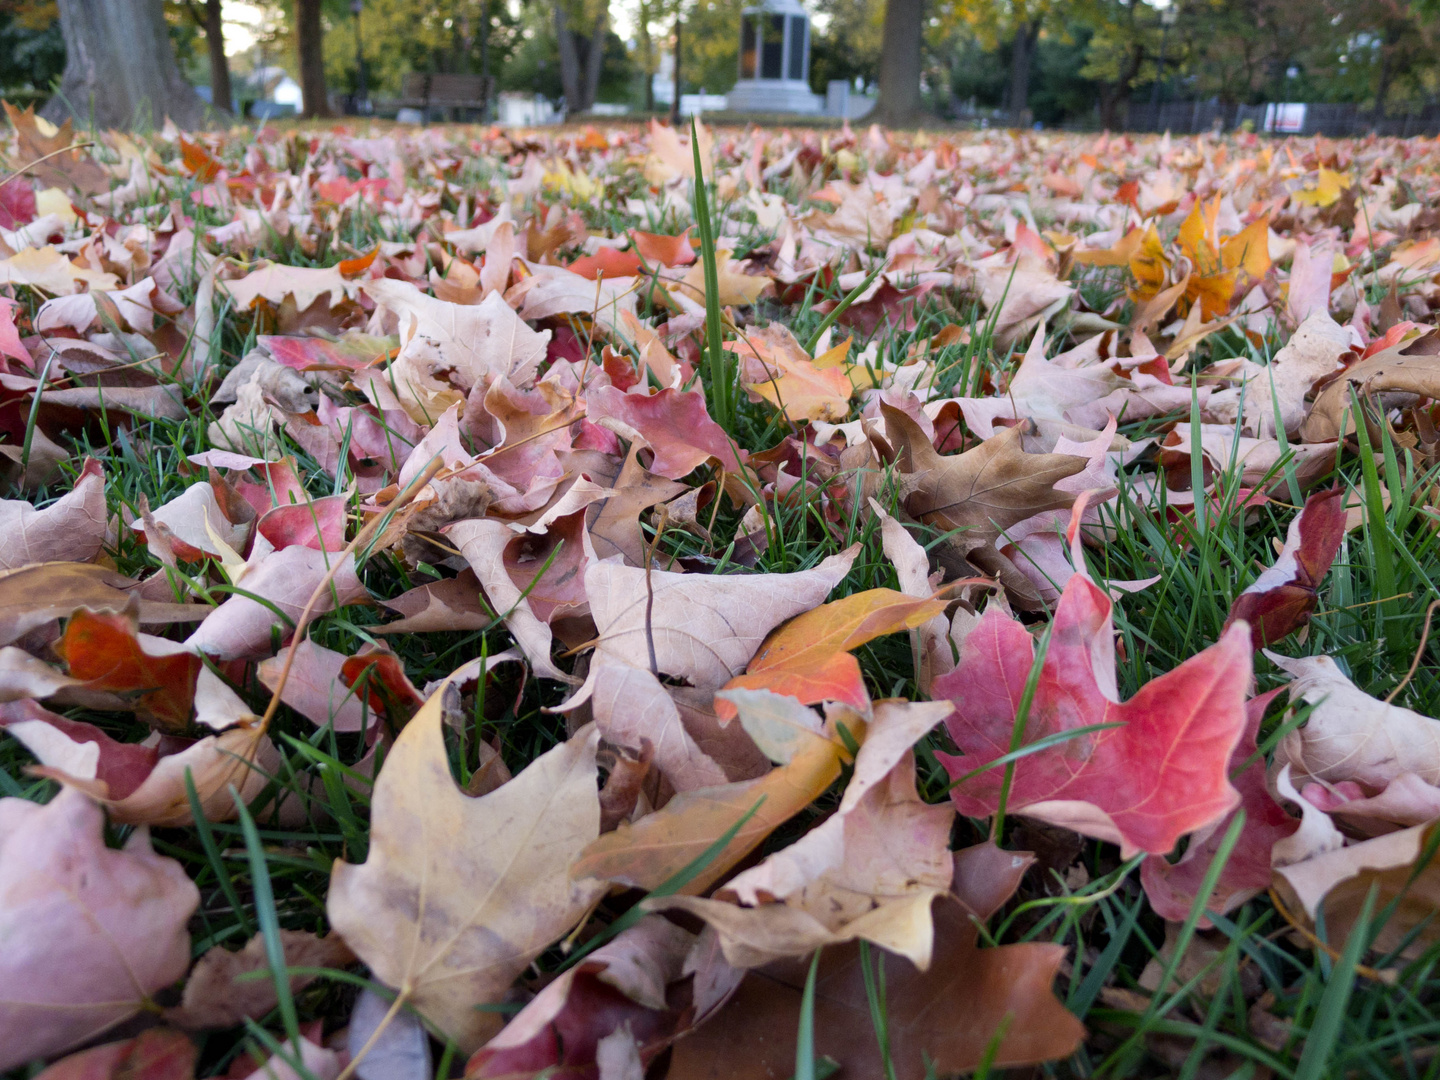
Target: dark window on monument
x: 797, y: 47
x: 772, y: 53
x: 747, y: 48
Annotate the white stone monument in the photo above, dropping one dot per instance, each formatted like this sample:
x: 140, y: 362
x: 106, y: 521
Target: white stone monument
x: 775, y: 61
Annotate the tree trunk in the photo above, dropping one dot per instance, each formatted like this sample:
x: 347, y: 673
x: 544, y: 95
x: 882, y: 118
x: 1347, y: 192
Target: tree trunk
x: 647, y: 53
x: 1387, y: 71
x: 571, y: 77
x: 899, y: 103
x: 1027, y: 34
x: 120, y: 69
x: 219, y: 65
x: 595, y: 60
x: 310, y: 43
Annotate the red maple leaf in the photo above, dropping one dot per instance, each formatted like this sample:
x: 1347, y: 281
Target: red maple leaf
x: 1162, y: 773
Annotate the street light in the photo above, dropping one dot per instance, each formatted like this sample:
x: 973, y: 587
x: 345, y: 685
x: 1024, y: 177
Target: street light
x: 362, y: 94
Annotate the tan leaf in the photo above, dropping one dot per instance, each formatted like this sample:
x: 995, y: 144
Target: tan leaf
x: 459, y: 895
x: 71, y: 529
x: 868, y: 872
x: 702, y: 628
x: 1351, y: 735
x: 982, y: 491
x: 241, y: 626
x: 660, y: 845
x: 1389, y: 370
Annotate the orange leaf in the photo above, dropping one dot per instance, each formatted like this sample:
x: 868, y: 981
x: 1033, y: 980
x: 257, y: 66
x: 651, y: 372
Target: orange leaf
x: 808, y: 658
x: 666, y: 250
x: 198, y: 161
x: 105, y: 652
x: 359, y: 264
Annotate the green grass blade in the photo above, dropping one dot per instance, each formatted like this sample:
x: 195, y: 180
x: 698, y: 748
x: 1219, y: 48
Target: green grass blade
x: 1330, y: 1015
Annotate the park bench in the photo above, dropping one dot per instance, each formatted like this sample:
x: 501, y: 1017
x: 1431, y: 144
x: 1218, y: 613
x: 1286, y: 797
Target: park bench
x: 447, y: 93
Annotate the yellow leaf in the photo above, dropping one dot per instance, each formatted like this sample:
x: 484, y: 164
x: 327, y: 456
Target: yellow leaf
x: 1327, y: 189
x: 1149, y: 266
x: 1119, y: 254
x: 1195, y: 235
x: 1249, y: 249
x: 776, y: 369
x: 835, y: 355
x: 735, y: 288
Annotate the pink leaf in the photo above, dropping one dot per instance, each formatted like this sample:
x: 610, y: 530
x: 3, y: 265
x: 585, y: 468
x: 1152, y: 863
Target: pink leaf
x: 674, y: 424
x: 17, y: 203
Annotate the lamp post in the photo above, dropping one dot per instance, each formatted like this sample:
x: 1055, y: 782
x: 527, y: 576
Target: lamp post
x: 362, y: 92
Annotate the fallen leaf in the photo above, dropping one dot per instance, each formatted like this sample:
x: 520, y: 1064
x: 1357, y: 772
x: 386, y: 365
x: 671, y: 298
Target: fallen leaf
x: 1280, y: 600
x: 448, y: 923
x: 86, y: 933
x: 809, y: 657
x: 978, y: 494
x: 105, y: 652
x: 777, y: 370
x: 1388, y: 371
x: 1336, y: 883
x: 157, y: 1054
x: 1350, y: 735
x: 660, y: 845
x: 36, y: 595
x: 315, y: 690
x: 941, y: 1021
x: 72, y: 529
x: 1172, y: 888
x: 139, y: 785
x: 242, y: 626
x: 621, y: 985
x: 1127, y: 785
x: 701, y: 629
x: 216, y: 997
x: 869, y: 872
x: 399, y: 1051
x: 675, y: 425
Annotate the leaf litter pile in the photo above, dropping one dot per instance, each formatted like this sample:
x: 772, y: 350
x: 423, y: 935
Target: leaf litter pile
x: 886, y: 606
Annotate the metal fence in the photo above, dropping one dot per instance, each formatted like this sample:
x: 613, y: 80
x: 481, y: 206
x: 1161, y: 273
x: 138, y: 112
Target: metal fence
x: 1190, y: 117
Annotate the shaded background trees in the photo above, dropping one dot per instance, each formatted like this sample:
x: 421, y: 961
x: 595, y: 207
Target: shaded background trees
x: 1075, y: 62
